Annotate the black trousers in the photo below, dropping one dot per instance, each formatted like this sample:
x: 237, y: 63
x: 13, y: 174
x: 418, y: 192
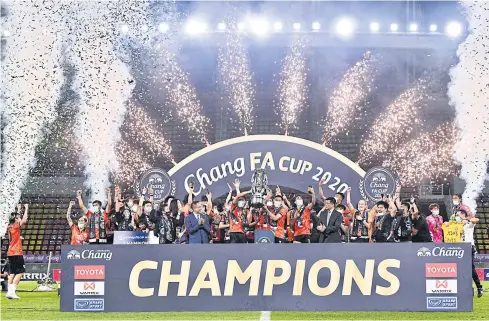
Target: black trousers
x: 475, y: 276
x: 237, y: 237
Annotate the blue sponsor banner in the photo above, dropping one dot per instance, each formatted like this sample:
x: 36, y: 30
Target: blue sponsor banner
x: 122, y: 237
x: 273, y: 277
x: 486, y: 274
x: 264, y: 236
x: 481, y: 257
x: 88, y: 305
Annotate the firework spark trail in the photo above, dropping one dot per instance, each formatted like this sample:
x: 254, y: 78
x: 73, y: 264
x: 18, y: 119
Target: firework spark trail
x: 103, y: 83
x: 31, y: 79
x: 133, y: 162
x: 348, y: 97
x: 292, y: 86
x: 237, y: 77
x: 432, y: 156
x: 183, y: 97
x: 395, y: 123
x: 468, y: 93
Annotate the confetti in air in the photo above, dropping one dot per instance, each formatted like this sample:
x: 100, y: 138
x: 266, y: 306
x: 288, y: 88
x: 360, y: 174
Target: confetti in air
x: 103, y: 83
x: 237, y: 77
x: 468, y: 93
x: 292, y: 86
x: 394, y: 124
x: 183, y: 97
x: 31, y: 80
x: 433, y: 158
x: 348, y: 98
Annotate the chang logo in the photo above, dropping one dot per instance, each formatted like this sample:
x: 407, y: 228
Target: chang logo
x: 424, y: 251
x: 377, y: 182
x: 264, y: 240
x: 160, y: 181
x: 73, y: 255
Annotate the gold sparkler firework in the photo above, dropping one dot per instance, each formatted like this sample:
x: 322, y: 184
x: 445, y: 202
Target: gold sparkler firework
x: 292, y: 86
x: 395, y: 123
x: 347, y: 99
x: 183, y: 97
x: 237, y: 77
x: 426, y: 156
x: 143, y: 142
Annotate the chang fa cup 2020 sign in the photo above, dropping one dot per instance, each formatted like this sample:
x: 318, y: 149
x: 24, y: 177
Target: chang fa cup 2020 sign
x: 283, y: 160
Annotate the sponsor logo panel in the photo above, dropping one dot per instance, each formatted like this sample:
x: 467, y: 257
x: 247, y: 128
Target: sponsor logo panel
x: 89, y: 255
x: 89, y: 305
x: 441, y: 286
x: 486, y: 274
x: 444, y: 251
x: 441, y: 303
x: 480, y: 273
x: 89, y: 272
x: 90, y: 288
x: 441, y: 270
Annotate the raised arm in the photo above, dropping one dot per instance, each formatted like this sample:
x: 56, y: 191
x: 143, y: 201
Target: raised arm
x: 117, y: 199
x: 209, y: 202
x: 348, y: 199
x: 24, y: 218
x: 68, y: 213
x: 413, y: 205
x: 310, y: 190
x: 228, y: 198
x: 235, y: 201
x: 236, y: 184
x: 80, y: 202
x: 397, y: 196
x: 150, y: 190
x: 321, y: 193
x: 109, y: 200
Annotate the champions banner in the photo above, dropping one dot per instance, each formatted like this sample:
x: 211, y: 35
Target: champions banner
x: 287, y: 161
x: 278, y: 277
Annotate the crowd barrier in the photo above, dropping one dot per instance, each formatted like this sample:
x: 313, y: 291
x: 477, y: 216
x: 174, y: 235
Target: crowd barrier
x: 278, y: 277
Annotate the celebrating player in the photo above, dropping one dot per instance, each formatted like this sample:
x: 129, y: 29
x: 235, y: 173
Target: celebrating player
x: 15, y: 255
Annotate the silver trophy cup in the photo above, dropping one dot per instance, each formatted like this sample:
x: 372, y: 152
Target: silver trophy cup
x: 259, y: 185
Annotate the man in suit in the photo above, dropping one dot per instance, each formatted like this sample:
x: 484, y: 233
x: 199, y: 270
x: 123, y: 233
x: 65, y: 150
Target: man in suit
x: 330, y: 222
x: 197, y: 225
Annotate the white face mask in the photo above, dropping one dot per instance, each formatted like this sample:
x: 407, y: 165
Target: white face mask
x: 269, y: 203
x: 277, y: 203
x: 458, y: 219
x: 299, y: 203
x: 95, y: 209
x: 241, y: 204
x: 81, y: 226
x: 456, y: 202
x: 147, y: 209
x: 130, y: 204
x: 337, y: 200
x: 435, y: 212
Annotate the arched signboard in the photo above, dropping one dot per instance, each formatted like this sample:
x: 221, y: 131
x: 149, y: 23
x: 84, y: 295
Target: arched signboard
x: 288, y: 161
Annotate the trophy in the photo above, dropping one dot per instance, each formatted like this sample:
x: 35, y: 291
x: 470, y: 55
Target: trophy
x: 259, y: 187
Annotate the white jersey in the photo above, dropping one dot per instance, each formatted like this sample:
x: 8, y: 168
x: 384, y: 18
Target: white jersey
x: 469, y: 233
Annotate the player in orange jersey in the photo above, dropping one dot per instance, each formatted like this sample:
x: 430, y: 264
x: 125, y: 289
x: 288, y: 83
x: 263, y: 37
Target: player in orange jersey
x: 15, y: 255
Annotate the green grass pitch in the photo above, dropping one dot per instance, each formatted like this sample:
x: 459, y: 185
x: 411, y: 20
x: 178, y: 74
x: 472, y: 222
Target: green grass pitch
x: 45, y: 306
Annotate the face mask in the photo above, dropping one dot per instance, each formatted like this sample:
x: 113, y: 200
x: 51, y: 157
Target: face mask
x: 269, y: 203
x: 436, y: 212
x: 130, y: 204
x: 337, y: 200
x: 95, y: 209
x: 456, y: 202
x: 147, y: 209
x: 277, y: 203
x: 458, y: 219
x: 81, y: 226
x: 241, y: 204
x: 299, y: 203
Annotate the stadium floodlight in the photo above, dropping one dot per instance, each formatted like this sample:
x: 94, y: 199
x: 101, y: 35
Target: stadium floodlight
x: 453, y: 29
x: 144, y: 28
x: 163, y: 27
x: 221, y: 26
x: 259, y: 26
x: 394, y: 27
x: 374, y: 27
x: 433, y: 28
x: 277, y: 26
x: 316, y: 25
x: 296, y: 26
x: 345, y: 27
x: 195, y: 27
x: 124, y: 29
x: 241, y: 26
x: 413, y: 27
